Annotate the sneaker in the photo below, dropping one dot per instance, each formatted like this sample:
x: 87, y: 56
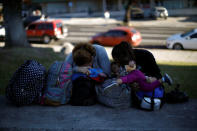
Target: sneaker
x: 109, y: 87
x: 166, y: 78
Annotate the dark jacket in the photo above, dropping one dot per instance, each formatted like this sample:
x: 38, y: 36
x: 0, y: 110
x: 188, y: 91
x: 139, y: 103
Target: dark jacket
x: 146, y: 61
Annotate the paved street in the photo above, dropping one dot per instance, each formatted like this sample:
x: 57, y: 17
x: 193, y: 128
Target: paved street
x: 154, y: 33
x: 151, y: 36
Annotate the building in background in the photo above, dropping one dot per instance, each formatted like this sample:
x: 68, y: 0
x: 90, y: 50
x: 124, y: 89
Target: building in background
x: 95, y: 8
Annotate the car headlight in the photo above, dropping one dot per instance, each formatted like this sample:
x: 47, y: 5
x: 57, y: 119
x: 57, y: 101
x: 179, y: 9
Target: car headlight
x: 134, y: 37
x: 169, y: 43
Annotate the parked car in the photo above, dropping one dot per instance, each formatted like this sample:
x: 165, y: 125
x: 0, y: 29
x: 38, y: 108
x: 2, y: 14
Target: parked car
x: 159, y: 12
x: 137, y: 13
x: 186, y: 40
x: 28, y: 20
x: 117, y: 35
x: 45, y: 30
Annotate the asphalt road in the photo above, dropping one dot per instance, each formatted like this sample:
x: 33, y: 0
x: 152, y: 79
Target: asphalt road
x: 151, y: 36
x: 154, y: 34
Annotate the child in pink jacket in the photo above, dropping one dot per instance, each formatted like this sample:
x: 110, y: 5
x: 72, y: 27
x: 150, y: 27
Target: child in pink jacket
x: 137, y: 76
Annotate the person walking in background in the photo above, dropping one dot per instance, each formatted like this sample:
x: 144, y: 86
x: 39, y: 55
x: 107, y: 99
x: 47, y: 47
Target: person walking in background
x: 107, y: 16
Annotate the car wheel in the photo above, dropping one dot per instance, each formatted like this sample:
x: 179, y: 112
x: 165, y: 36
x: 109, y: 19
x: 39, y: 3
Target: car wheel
x: 46, y: 39
x: 177, y: 47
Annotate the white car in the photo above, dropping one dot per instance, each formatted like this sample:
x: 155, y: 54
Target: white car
x: 186, y: 40
x: 159, y: 12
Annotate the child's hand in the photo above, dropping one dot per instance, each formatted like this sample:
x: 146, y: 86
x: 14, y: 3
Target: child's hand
x: 102, y: 75
x: 84, y: 70
x: 119, y: 81
x: 150, y: 79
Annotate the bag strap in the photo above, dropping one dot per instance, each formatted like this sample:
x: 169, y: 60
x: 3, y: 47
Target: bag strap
x: 58, y: 78
x: 152, y: 100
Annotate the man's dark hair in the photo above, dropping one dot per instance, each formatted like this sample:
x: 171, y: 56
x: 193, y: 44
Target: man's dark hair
x: 123, y: 53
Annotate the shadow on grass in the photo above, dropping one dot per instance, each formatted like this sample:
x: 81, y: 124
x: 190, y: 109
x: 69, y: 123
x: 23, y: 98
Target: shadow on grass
x: 12, y: 58
x: 152, y: 46
x: 185, y: 75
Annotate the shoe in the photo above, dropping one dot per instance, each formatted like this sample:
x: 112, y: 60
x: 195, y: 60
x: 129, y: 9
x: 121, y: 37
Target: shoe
x: 166, y: 78
x: 109, y: 87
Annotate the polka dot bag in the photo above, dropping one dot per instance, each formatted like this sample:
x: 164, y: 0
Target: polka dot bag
x: 26, y: 85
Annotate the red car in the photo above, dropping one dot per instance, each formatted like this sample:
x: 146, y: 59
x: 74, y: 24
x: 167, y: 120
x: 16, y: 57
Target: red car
x: 45, y: 30
x: 117, y: 35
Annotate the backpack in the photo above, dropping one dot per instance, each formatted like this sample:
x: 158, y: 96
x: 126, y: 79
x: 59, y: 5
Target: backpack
x: 58, y: 85
x: 83, y: 92
x: 152, y: 100
x: 26, y: 85
x: 176, y: 96
x: 119, y: 96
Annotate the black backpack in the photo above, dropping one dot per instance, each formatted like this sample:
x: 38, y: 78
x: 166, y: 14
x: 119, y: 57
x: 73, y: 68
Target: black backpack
x: 26, y: 85
x: 83, y: 92
x: 176, y: 95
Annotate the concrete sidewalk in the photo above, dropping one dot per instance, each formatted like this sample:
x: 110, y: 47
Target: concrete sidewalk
x: 172, y: 117
x: 161, y: 55
x: 167, y: 55
x: 170, y: 22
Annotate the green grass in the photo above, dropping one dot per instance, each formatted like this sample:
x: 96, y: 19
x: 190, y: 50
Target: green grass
x: 183, y: 73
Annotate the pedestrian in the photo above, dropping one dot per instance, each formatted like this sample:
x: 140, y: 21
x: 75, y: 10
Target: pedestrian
x: 107, y: 16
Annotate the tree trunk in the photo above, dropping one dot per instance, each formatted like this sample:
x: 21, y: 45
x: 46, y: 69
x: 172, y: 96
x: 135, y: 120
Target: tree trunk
x: 15, y: 32
x: 127, y: 16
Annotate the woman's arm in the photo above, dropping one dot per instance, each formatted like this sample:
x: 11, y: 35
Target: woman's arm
x: 101, y: 60
x: 69, y: 59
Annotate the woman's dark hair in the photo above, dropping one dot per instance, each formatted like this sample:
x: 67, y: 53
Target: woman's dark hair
x: 83, y: 54
x: 85, y: 46
x: 123, y: 53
